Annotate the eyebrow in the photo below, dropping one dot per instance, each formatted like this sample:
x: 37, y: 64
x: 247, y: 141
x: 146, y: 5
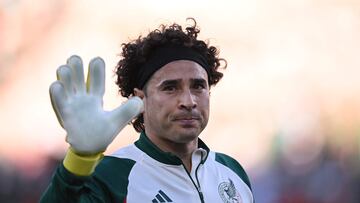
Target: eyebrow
x: 198, y: 80
x: 169, y: 82
x: 177, y: 81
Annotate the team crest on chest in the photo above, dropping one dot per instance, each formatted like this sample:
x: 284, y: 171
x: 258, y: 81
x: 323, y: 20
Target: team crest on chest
x: 228, y: 192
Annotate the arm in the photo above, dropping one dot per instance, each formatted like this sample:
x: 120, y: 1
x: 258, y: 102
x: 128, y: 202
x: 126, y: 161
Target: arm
x: 90, y: 129
x: 68, y: 187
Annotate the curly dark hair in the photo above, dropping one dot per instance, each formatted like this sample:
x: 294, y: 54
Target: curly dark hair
x: 137, y: 52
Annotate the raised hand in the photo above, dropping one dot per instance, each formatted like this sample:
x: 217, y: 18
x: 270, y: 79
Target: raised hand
x: 79, y: 107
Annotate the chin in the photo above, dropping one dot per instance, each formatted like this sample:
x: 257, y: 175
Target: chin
x: 185, y: 137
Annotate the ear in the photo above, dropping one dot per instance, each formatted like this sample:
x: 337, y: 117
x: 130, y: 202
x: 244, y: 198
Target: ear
x: 139, y: 93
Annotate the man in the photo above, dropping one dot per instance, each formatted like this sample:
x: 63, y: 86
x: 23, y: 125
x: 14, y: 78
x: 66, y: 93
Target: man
x: 167, y: 76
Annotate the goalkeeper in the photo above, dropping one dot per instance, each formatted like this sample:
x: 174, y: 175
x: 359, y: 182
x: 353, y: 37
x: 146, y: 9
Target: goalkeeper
x: 167, y: 77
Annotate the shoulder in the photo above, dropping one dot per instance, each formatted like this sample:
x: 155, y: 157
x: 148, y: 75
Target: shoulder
x: 119, y: 163
x: 233, y: 165
x: 117, y: 166
x: 114, y: 173
x: 110, y: 163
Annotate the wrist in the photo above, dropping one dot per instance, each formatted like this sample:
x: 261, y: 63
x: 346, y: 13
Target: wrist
x: 81, y: 165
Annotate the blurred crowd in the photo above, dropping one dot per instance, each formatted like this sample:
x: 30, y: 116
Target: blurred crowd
x: 331, y: 175
x: 24, y: 184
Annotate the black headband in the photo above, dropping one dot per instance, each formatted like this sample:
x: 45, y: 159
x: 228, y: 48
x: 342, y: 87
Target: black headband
x: 166, y: 54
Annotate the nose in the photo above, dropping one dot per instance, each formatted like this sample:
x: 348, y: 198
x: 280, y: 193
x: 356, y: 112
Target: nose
x: 187, y: 101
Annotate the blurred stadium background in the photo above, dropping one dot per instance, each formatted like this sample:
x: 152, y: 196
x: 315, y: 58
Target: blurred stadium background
x: 288, y: 107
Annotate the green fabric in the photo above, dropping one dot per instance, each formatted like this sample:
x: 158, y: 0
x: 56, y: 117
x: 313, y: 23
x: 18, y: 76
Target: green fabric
x: 233, y: 165
x: 107, y: 184
x: 145, y: 145
x: 153, y: 151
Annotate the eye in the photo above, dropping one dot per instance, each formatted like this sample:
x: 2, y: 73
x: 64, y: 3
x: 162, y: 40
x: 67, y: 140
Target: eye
x: 199, y: 86
x: 169, y: 88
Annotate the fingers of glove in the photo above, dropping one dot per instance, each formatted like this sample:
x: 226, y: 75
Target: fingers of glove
x: 58, y: 99
x: 63, y: 74
x: 76, y: 65
x: 127, y: 111
x: 96, y: 77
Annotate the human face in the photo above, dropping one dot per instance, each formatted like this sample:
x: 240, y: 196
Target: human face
x: 176, y: 103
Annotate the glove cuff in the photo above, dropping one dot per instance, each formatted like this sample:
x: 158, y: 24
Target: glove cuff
x: 81, y: 165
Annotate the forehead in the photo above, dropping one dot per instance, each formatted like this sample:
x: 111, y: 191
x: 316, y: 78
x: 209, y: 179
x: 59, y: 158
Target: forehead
x: 180, y: 69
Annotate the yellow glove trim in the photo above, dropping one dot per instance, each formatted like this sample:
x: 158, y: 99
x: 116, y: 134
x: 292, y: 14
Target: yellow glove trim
x: 81, y: 165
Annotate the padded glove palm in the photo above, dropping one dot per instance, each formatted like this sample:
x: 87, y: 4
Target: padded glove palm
x: 79, y: 107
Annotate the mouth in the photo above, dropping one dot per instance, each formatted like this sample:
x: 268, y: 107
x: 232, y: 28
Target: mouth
x: 187, y: 121
x: 186, y: 118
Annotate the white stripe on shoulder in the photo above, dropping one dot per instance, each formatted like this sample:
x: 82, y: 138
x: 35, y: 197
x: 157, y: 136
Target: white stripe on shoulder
x: 128, y: 152
x: 211, y: 156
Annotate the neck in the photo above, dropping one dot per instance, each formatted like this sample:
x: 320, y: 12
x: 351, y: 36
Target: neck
x: 181, y: 150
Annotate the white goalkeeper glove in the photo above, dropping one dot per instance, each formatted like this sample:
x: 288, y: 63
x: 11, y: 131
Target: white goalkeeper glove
x: 79, y: 107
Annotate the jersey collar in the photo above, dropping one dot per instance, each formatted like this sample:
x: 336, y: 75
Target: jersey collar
x: 145, y: 145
